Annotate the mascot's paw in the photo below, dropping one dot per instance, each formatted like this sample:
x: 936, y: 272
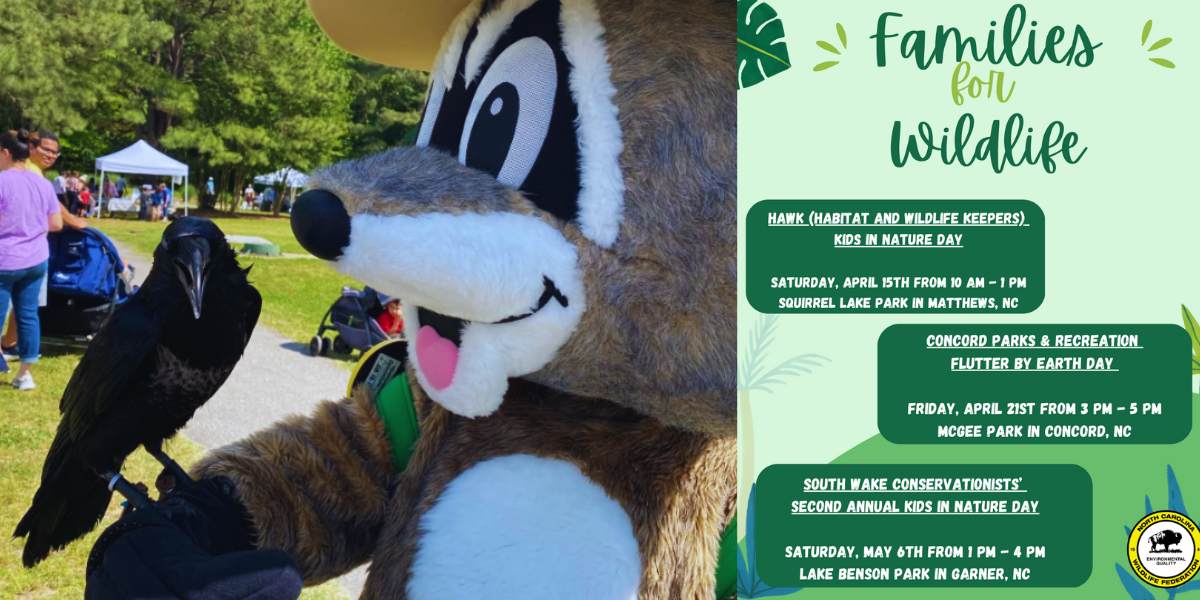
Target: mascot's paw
x: 190, y: 545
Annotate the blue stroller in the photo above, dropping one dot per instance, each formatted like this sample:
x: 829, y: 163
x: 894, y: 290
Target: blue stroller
x: 86, y: 281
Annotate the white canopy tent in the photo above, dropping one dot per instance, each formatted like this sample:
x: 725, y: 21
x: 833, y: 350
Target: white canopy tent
x: 142, y: 159
x: 287, y: 176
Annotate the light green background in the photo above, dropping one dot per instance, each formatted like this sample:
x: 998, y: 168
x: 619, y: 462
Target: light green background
x: 1123, y: 225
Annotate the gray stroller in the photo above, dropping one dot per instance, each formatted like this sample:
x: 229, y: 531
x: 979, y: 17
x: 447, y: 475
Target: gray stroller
x: 352, y: 316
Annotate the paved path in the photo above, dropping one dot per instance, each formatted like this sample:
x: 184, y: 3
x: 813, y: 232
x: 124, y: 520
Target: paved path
x: 276, y: 377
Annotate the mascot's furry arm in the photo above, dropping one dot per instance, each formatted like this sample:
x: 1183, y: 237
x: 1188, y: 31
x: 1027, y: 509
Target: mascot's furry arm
x: 317, y: 487
x: 323, y: 489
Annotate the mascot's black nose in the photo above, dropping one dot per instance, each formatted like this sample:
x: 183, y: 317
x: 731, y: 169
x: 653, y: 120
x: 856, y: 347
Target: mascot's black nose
x: 321, y: 224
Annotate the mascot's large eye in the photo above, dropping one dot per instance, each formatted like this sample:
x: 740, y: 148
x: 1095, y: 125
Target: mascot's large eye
x: 510, y: 112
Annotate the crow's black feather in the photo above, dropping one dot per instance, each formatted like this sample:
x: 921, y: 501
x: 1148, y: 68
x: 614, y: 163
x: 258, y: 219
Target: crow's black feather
x: 148, y: 369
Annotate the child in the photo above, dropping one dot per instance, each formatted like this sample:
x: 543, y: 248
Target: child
x: 85, y: 201
x: 390, y: 319
x: 156, y: 200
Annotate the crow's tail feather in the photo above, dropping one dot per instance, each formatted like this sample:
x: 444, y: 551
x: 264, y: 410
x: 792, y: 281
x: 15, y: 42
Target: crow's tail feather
x: 68, y: 505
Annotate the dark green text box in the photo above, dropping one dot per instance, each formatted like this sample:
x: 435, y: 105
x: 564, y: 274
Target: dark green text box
x: 883, y: 263
x: 985, y: 519
x: 1136, y: 390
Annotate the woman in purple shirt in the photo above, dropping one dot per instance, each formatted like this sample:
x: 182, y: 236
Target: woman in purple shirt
x: 28, y: 210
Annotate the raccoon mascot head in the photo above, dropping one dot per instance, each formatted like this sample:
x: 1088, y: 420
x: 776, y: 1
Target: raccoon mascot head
x: 568, y: 213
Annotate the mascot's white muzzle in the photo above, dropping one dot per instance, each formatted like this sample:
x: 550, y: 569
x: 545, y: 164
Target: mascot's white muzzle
x: 486, y: 296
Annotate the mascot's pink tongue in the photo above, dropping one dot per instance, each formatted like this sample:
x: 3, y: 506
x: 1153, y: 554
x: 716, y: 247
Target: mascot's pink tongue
x: 437, y: 356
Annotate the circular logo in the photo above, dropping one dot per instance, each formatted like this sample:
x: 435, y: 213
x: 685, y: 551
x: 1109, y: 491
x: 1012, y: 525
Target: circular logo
x: 1162, y: 549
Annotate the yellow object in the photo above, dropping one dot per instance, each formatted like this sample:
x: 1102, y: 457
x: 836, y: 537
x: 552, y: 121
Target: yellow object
x: 401, y: 33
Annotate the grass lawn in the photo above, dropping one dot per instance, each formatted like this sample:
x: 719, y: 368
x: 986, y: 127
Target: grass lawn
x: 296, y: 291
x: 30, y: 420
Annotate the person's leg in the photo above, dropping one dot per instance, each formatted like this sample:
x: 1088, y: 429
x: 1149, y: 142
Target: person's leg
x: 6, y: 279
x: 10, y: 332
x: 25, y: 304
x: 11, y: 348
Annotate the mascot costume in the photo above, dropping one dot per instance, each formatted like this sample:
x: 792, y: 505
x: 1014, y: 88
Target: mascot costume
x: 563, y: 236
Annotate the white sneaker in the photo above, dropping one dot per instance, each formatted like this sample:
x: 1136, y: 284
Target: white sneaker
x: 23, y: 383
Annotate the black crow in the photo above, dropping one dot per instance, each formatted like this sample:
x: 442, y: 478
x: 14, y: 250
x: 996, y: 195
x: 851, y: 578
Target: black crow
x: 159, y: 357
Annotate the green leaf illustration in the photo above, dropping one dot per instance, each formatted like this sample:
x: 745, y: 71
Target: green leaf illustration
x: 1135, y: 588
x: 762, y: 52
x: 1162, y: 62
x: 1174, y: 494
x: 1193, y: 329
x: 828, y: 47
x: 1159, y: 44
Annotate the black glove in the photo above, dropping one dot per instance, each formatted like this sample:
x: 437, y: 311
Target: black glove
x: 192, y: 544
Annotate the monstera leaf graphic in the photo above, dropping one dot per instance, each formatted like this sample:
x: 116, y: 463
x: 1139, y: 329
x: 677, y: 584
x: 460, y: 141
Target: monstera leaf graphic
x: 762, y: 52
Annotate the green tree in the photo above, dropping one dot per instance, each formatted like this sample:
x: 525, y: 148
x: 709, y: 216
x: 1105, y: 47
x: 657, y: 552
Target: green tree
x: 234, y: 88
x: 58, y: 59
x: 386, y: 104
x: 274, y: 96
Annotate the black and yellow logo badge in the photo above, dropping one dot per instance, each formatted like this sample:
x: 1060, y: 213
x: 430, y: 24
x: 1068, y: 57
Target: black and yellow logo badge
x: 1162, y: 549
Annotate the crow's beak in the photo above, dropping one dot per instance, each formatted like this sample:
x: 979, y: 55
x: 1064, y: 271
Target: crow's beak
x: 191, y: 269
x: 196, y: 291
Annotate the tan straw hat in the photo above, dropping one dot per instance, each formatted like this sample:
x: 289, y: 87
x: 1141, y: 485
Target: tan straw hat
x: 401, y: 33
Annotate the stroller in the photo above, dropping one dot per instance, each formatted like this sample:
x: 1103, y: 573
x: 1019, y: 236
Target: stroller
x: 352, y: 316
x: 86, y: 281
